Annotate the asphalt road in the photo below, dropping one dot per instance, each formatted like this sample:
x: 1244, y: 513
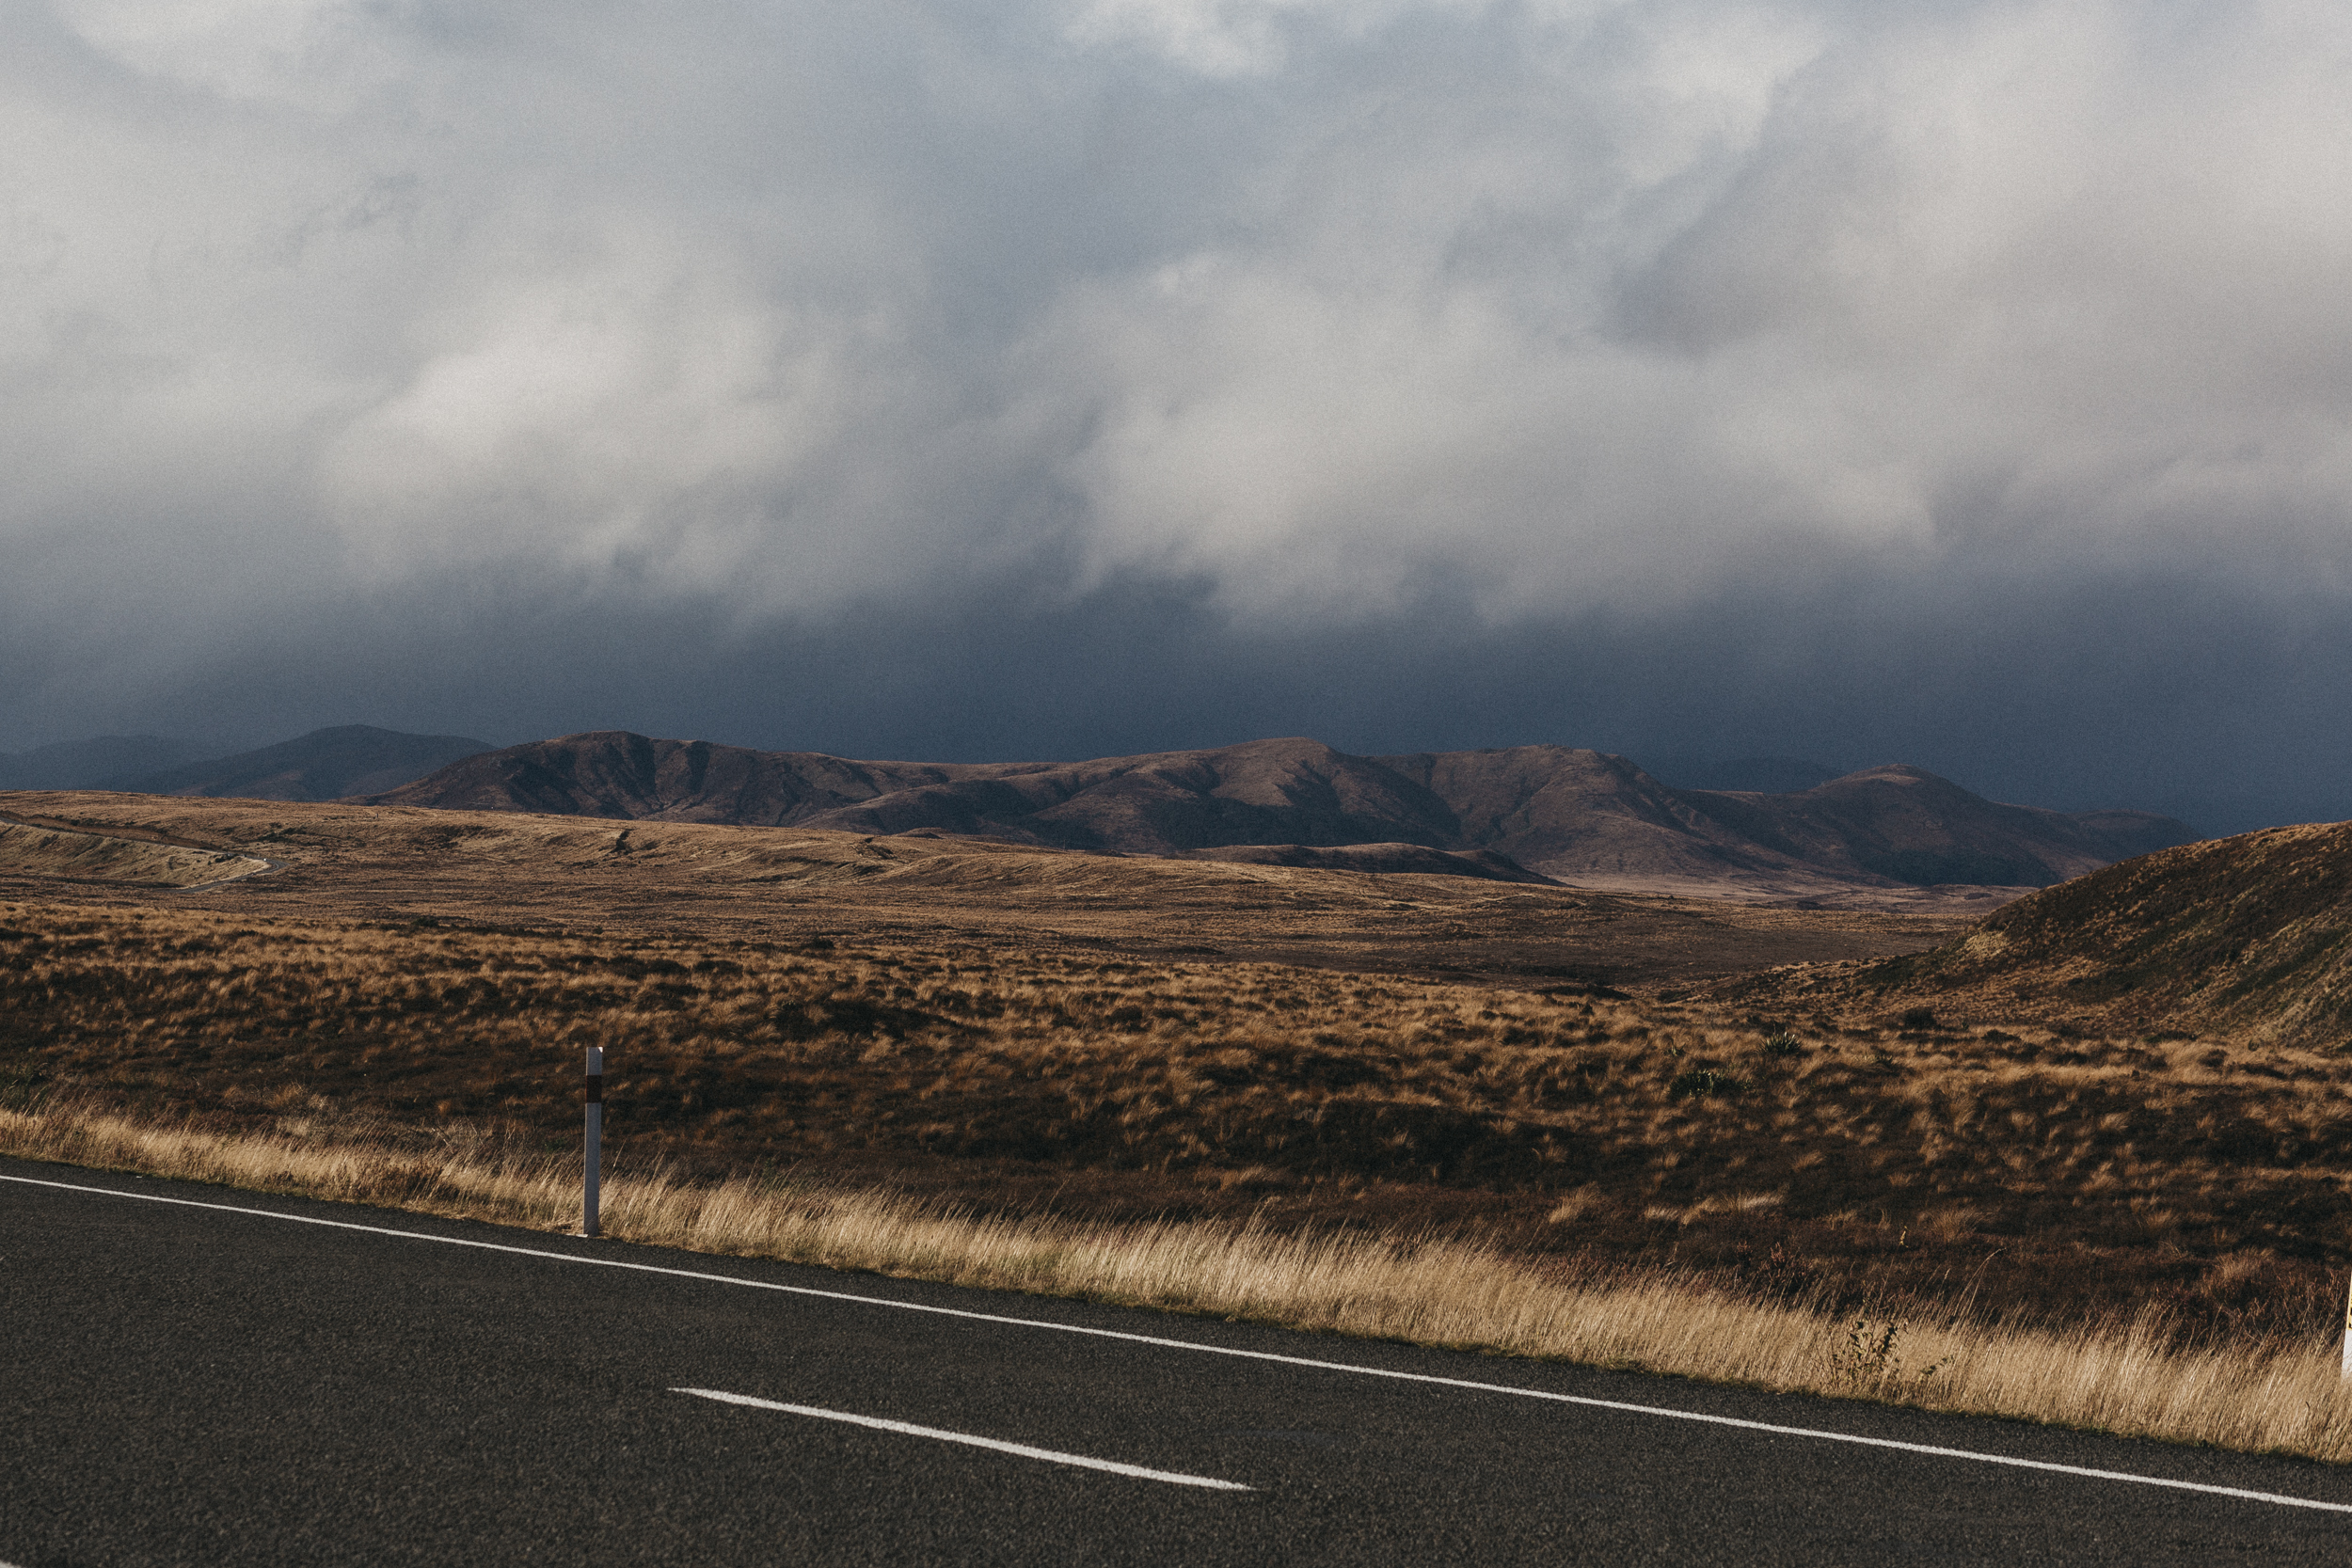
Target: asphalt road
x: 184, y: 1384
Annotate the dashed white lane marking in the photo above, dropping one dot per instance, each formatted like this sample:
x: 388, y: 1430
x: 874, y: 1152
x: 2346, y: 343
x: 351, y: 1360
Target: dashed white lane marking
x: 1973, y: 1455
x: 908, y: 1429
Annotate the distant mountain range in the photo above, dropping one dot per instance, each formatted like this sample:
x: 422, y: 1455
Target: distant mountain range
x: 1575, y: 815
x: 1788, y: 831
x: 324, y: 765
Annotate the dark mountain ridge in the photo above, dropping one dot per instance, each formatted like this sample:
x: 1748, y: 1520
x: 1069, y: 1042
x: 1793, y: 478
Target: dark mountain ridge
x: 1569, y: 814
x: 324, y: 765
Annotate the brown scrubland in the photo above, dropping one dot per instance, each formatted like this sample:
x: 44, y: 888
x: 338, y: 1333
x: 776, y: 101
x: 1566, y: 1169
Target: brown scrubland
x: 1578, y: 1126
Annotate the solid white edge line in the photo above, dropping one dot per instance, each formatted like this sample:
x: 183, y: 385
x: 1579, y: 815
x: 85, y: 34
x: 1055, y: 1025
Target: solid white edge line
x: 2278, y: 1499
x: 909, y: 1429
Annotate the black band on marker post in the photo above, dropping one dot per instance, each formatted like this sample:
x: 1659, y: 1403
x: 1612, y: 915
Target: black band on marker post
x: 592, y: 1149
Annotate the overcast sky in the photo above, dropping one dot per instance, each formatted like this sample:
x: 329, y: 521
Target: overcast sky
x: 1962, y: 383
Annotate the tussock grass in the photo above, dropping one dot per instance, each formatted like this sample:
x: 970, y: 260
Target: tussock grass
x: 2055, y: 1176
x: 2135, y: 1378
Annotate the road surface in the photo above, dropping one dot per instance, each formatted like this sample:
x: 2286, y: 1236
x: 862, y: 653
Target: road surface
x: 222, y: 1379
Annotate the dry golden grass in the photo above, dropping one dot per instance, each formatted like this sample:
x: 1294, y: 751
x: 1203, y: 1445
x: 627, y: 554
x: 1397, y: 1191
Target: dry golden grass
x: 2133, y: 1379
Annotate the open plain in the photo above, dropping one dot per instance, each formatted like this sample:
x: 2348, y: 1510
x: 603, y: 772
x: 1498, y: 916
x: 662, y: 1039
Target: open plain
x: 694, y: 881
x: 1562, y: 1072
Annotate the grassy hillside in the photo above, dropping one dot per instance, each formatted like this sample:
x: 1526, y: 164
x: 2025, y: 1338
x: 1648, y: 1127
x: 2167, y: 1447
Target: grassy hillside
x: 2250, y: 937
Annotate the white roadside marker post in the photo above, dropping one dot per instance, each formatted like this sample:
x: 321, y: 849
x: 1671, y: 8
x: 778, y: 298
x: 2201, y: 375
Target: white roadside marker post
x: 2346, y: 1374
x: 588, y: 1193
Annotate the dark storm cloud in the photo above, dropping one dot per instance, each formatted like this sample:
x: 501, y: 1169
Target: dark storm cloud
x: 1964, y: 383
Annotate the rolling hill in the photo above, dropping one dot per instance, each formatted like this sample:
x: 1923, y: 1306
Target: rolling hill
x: 2249, y: 935
x: 1572, y: 815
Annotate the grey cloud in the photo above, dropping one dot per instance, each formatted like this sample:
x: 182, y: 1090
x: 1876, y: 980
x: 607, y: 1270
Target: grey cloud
x: 1961, y: 381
